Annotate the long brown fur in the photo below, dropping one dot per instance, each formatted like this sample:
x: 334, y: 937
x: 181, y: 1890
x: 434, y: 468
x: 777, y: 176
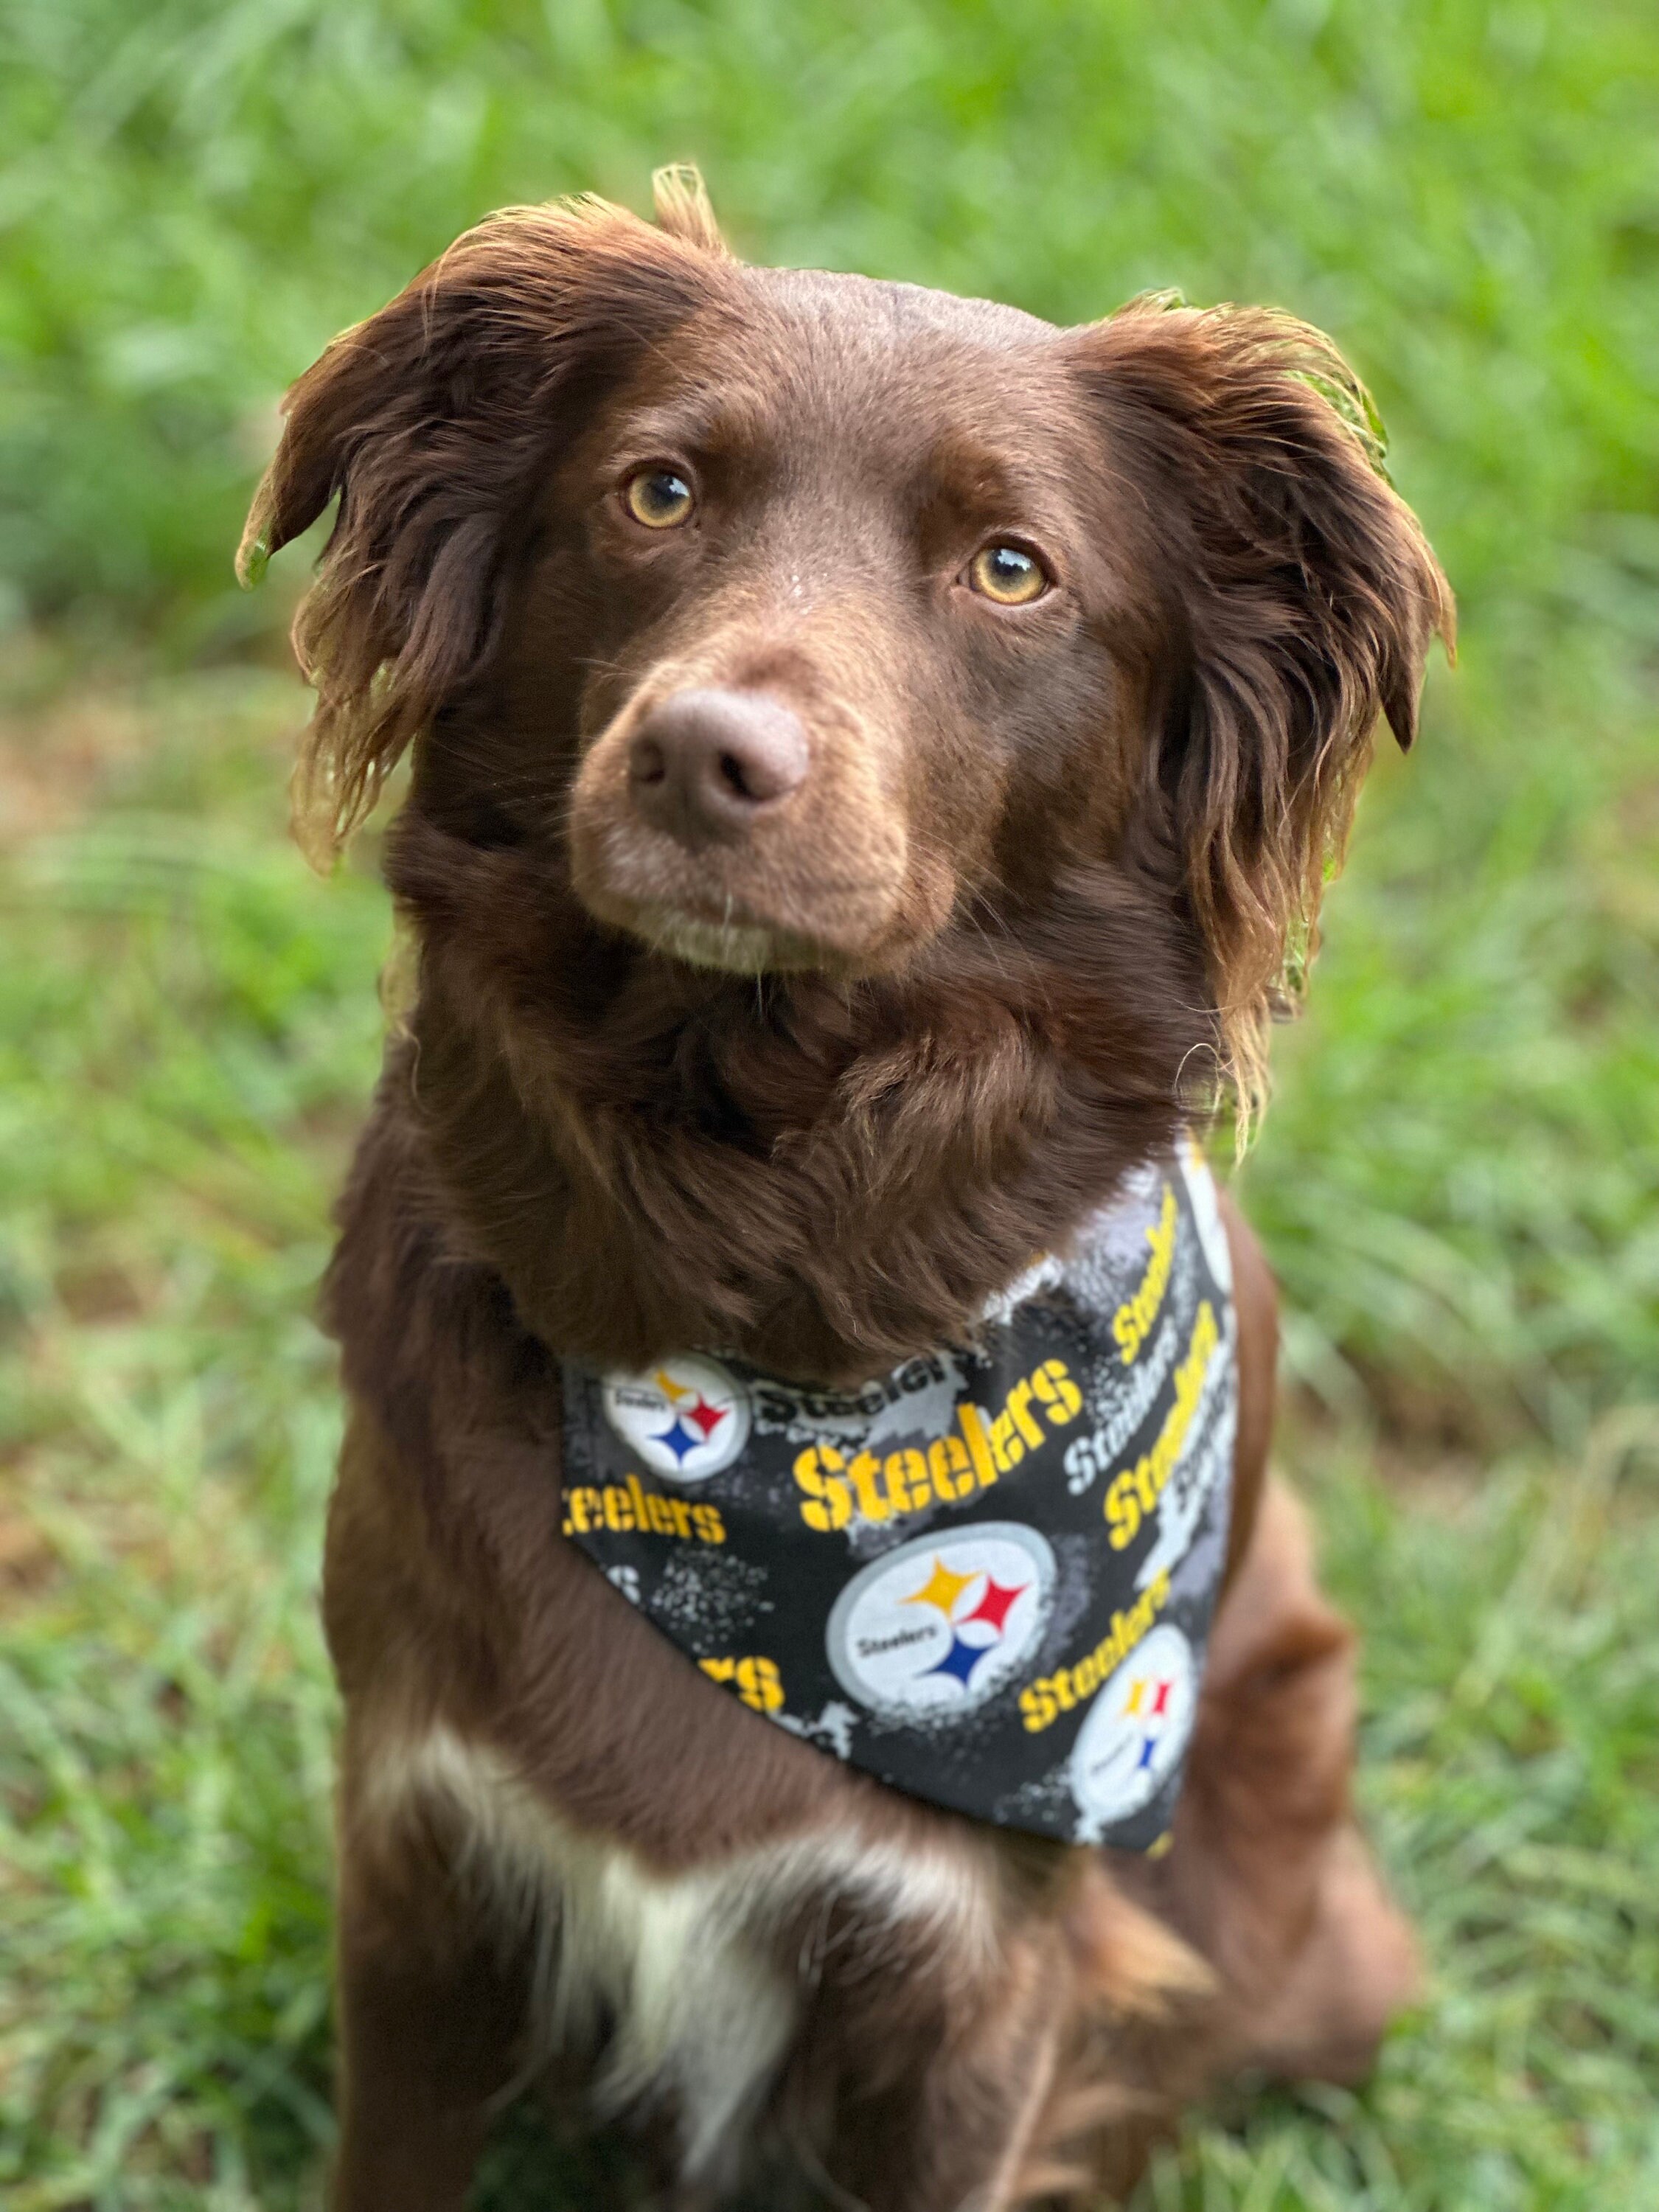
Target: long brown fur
x: 1047, y: 882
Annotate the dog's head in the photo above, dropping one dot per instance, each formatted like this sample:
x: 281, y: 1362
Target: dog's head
x: 806, y: 620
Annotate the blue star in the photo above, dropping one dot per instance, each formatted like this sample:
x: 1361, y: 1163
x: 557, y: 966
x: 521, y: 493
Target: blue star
x: 678, y: 1439
x: 1147, y: 1750
x: 959, y: 1662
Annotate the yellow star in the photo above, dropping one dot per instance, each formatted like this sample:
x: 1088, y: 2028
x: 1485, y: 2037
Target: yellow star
x: 1137, y: 1692
x: 941, y: 1588
x: 674, y: 1392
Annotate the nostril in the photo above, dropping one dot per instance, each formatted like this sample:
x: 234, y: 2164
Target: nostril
x: 646, y: 762
x: 706, y: 763
x: 757, y: 754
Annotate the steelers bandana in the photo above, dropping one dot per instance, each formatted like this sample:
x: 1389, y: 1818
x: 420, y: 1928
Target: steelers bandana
x: 986, y: 1578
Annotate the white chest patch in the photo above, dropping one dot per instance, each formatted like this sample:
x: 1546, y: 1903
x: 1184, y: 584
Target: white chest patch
x: 685, y: 1964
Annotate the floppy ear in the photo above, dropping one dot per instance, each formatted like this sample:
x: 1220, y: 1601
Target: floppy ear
x: 431, y: 421
x: 1297, y: 598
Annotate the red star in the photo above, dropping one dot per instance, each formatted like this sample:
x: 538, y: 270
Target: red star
x: 993, y: 1606
x: 1161, y: 1702
x: 708, y: 1417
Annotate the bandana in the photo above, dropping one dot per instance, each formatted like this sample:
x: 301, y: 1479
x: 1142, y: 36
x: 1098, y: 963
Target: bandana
x: 986, y: 1578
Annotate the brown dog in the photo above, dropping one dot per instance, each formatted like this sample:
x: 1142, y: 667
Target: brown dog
x: 875, y: 758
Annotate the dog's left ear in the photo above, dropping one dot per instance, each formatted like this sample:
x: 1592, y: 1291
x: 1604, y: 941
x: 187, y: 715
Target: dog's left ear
x: 1297, y: 597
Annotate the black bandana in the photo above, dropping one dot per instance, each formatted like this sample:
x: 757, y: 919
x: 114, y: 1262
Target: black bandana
x: 987, y: 1578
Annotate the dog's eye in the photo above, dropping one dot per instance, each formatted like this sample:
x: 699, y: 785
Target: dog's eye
x: 658, y: 498
x: 1008, y: 575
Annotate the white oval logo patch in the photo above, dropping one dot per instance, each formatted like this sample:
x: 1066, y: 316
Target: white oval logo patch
x: 934, y: 1629
x: 687, y: 1418
x: 1137, y: 1728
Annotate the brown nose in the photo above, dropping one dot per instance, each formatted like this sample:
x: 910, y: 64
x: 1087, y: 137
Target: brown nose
x: 705, y: 765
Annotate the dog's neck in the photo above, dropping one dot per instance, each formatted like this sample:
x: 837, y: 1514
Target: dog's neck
x: 822, y: 1178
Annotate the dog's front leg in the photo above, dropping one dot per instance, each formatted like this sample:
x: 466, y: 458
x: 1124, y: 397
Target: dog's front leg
x: 431, y: 2022
x: 939, y: 2092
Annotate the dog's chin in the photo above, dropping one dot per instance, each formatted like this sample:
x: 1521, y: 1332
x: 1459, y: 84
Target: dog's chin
x: 731, y: 946
x: 735, y: 948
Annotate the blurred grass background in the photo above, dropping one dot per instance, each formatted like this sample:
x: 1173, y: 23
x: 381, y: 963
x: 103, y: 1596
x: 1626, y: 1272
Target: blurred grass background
x: 1459, y: 1182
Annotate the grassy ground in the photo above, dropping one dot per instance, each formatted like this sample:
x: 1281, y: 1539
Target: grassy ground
x: 1459, y: 1182
x: 188, y: 1025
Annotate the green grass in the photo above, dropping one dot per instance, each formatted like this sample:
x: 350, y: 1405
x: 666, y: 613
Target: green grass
x: 187, y: 1027
x: 1459, y: 1182
x: 184, y: 1022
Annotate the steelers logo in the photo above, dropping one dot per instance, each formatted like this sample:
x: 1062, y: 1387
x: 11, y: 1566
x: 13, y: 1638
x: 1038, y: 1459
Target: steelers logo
x: 934, y: 1629
x: 687, y: 1418
x: 1136, y: 1728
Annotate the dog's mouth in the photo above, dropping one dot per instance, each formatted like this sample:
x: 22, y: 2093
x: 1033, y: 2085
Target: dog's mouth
x: 740, y: 913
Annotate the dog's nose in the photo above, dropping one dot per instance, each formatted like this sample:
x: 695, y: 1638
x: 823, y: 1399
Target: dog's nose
x: 705, y: 765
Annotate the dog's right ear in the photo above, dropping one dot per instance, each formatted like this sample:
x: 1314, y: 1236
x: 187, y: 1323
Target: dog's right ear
x: 432, y: 422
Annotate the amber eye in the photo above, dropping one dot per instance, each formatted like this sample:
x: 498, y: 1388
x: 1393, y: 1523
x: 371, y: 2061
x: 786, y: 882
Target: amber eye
x: 1004, y: 574
x: 658, y: 498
